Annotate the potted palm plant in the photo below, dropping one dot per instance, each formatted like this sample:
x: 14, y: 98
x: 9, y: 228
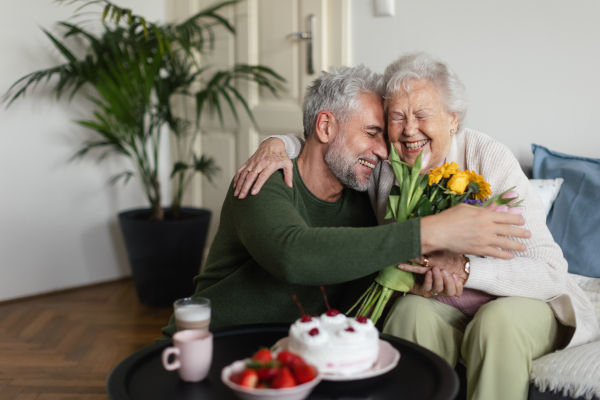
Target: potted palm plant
x: 138, y: 70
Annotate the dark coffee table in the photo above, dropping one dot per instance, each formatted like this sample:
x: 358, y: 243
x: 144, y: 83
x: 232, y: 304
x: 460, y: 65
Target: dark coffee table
x: 420, y: 374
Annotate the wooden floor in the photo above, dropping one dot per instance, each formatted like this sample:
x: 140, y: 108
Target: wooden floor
x: 64, y: 345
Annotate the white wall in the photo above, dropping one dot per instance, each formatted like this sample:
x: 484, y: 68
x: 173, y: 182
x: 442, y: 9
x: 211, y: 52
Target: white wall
x: 532, y: 68
x: 58, y: 226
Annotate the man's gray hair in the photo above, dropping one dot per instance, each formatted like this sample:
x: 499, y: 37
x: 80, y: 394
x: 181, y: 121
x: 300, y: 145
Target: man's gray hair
x: 426, y: 67
x: 338, y: 91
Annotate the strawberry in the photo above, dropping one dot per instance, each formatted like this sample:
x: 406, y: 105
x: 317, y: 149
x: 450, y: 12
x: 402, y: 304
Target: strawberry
x: 248, y: 378
x: 262, y: 385
x: 362, y: 319
x: 304, y: 373
x: 235, y: 378
x: 285, y: 357
x: 283, y: 379
x: 263, y: 355
x: 267, y: 373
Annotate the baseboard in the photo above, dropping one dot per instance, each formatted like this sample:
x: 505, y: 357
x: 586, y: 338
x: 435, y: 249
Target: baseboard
x: 62, y: 291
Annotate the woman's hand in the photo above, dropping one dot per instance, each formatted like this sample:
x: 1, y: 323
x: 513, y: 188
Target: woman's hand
x: 437, y: 282
x: 269, y: 157
x: 444, y: 260
x: 480, y: 231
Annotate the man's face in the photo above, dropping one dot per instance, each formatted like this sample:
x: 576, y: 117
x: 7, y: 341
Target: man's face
x: 359, y: 144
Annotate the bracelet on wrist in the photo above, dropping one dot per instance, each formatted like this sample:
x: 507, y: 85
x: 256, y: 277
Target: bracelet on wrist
x: 467, y: 267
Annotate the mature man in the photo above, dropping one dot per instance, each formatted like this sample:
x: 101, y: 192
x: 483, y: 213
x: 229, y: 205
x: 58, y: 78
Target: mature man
x: 323, y: 231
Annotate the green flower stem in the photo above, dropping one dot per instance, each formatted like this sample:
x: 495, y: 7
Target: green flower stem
x: 388, y: 281
x: 375, y: 299
x: 434, y: 193
x: 362, y: 297
x: 378, y: 308
x: 364, y: 308
x: 368, y: 305
x: 386, y: 293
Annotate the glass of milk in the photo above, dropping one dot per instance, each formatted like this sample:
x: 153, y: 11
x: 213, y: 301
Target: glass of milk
x: 192, y: 313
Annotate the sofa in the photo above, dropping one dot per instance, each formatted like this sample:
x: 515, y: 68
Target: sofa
x: 573, y: 219
x: 570, y: 190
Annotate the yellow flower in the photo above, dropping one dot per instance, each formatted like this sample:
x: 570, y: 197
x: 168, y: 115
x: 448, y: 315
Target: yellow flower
x: 445, y: 171
x: 459, y: 181
x: 435, y: 176
x: 484, y: 187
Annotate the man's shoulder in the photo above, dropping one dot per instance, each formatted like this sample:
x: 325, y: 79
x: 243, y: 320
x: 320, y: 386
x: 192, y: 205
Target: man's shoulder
x: 276, y: 186
x: 273, y: 190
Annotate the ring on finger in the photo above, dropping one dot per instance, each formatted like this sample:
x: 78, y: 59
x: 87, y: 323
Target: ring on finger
x: 249, y: 169
x: 433, y: 293
x: 426, y: 263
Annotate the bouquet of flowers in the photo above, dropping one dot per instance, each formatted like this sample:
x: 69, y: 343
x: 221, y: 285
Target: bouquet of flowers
x: 419, y: 196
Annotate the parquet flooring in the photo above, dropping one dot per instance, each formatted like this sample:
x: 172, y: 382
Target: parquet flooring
x: 64, y: 345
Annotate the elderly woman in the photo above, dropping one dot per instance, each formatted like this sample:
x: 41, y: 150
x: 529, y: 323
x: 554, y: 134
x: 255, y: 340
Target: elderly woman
x: 511, y: 311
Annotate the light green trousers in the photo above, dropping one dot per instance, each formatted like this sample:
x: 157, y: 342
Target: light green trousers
x: 497, y: 345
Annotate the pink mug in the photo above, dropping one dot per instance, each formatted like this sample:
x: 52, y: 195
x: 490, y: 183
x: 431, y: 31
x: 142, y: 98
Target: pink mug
x: 193, y: 354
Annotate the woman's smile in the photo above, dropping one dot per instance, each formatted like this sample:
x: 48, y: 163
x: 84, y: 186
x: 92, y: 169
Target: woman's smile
x: 415, y: 146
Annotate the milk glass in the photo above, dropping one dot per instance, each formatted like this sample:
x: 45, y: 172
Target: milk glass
x: 192, y: 313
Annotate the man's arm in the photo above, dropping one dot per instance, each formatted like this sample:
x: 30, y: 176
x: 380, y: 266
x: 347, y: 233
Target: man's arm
x: 279, y: 239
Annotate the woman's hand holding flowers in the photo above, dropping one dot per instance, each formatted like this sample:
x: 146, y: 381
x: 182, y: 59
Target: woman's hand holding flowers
x: 443, y: 274
x: 447, y: 261
x: 438, y: 281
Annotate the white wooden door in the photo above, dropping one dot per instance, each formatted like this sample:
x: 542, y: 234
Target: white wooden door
x: 263, y: 37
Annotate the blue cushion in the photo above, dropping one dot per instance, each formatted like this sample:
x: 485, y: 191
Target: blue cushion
x: 574, y: 220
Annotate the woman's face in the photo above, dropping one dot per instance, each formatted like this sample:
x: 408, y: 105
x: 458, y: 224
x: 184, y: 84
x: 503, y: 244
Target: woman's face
x: 418, y: 121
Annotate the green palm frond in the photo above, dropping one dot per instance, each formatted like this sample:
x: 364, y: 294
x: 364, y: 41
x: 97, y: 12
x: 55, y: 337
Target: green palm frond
x: 221, y: 87
x: 207, y: 166
x: 136, y: 69
x: 125, y: 176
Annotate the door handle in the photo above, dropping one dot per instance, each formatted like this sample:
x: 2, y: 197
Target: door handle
x: 311, y: 23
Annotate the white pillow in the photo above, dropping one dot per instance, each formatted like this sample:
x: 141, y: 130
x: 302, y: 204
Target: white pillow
x: 548, y: 190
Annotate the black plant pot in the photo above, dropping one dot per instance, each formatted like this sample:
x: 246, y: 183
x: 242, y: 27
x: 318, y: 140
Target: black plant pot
x: 164, y: 255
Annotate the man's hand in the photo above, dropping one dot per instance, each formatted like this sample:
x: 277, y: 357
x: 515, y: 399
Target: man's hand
x: 440, y: 282
x: 466, y: 229
x: 269, y: 157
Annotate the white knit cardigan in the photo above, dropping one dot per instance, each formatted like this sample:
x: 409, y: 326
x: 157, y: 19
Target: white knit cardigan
x: 538, y: 273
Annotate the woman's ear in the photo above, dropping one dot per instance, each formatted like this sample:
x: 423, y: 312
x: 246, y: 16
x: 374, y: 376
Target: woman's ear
x: 454, y: 121
x: 326, y: 127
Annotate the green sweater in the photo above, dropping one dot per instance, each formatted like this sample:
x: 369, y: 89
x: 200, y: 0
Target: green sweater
x: 286, y: 241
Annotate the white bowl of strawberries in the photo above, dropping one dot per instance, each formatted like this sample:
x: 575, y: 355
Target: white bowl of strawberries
x: 281, y: 376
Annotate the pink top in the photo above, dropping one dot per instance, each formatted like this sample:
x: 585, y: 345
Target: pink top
x: 469, y: 301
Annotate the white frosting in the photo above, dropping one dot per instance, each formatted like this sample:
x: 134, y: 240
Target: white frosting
x: 335, y: 350
x: 351, y: 336
x: 306, y: 326
x: 313, y: 339
x: 363, y: 327
x: 336, y: 319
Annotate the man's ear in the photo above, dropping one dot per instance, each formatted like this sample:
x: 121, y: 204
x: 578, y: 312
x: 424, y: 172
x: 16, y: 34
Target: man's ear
x: 326, y: 127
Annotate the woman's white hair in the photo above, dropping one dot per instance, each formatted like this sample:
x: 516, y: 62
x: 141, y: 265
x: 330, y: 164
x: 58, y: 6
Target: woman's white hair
x: 425, y: 67
x: 338, y: 91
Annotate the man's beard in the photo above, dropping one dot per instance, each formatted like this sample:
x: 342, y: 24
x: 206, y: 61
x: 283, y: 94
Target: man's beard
x: 342, y: 163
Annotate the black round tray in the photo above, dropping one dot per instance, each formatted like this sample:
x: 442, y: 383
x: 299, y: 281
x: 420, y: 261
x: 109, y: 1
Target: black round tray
x: 420, y: 374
